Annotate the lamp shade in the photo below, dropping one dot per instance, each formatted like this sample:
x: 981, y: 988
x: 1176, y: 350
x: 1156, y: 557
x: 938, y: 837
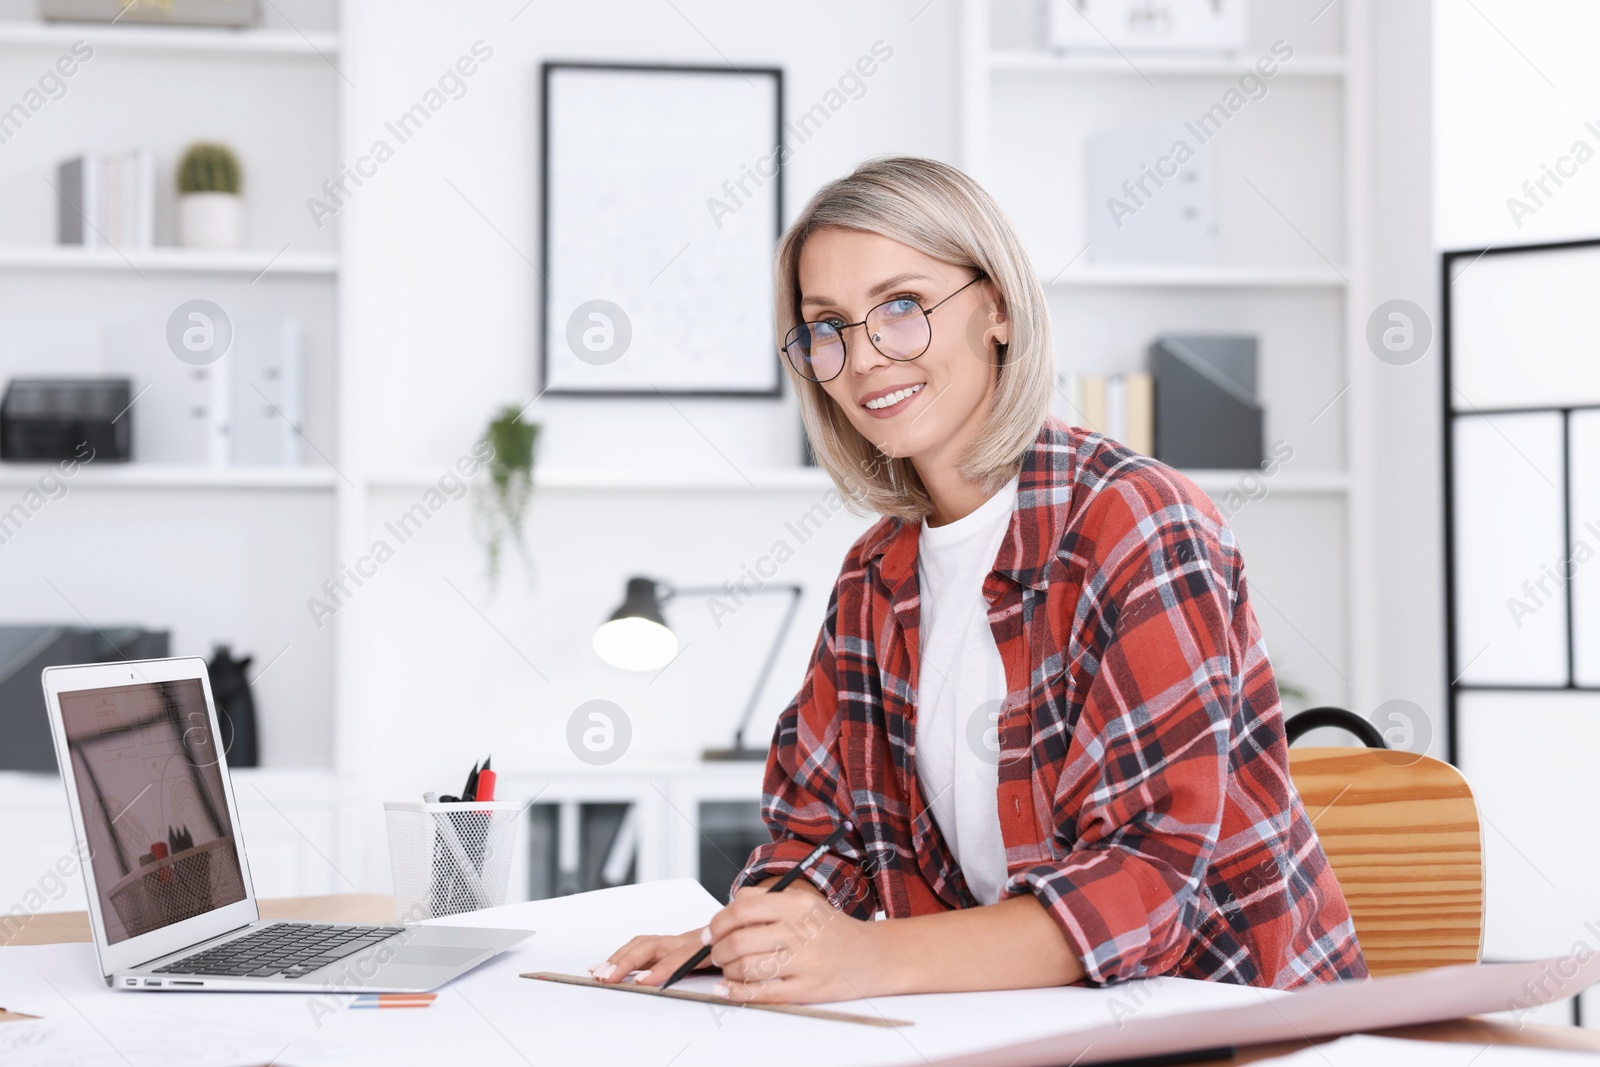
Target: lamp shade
x: 636, y: 637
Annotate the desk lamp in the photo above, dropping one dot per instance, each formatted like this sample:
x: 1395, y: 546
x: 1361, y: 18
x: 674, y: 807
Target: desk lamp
x: 637, y: 638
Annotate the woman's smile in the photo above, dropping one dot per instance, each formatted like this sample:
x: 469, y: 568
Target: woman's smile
x: 889, y: 402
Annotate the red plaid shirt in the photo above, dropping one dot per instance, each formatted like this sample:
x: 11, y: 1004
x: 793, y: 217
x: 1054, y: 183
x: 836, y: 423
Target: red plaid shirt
x: 1144, y: 792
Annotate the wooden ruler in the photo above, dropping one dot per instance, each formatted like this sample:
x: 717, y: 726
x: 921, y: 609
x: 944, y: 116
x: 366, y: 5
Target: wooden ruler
x: 707, y: 998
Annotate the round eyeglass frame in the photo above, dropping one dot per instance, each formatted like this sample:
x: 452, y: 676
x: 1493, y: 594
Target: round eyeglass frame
x: 927, y: 312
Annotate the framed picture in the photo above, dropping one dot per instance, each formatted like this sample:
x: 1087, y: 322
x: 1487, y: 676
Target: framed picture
x: 662, y: 205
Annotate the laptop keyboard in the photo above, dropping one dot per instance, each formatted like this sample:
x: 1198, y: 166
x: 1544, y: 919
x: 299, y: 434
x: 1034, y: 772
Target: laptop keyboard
x: 285, y: 950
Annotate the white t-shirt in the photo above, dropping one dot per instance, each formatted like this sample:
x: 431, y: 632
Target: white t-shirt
x: 961, y: 687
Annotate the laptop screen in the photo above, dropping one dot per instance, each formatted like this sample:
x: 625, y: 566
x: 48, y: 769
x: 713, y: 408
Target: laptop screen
x: 149, y: 780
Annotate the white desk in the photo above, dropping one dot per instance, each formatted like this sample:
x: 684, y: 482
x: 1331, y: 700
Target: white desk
x: 495, y: 1018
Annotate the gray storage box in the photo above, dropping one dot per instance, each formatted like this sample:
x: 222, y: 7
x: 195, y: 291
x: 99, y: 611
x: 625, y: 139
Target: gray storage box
x: 175, y: 12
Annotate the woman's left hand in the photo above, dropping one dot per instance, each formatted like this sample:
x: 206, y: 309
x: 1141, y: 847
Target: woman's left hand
x: 792, y: 947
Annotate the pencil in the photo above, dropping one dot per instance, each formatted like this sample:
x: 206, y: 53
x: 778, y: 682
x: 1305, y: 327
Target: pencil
x: 777, y: 887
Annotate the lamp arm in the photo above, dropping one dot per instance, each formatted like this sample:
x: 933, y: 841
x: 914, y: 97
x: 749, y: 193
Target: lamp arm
x: 668, y: 592
x: 772, y: 658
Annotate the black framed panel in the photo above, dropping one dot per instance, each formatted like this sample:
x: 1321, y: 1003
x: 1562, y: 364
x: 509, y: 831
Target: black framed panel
x: 1521, y: 309
x: 661, y: 203
x: 1521, y: 419
x: 1583, y: 442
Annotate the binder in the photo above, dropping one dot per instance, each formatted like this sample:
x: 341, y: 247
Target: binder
x: 266, y: 394
x: 1207, y: 416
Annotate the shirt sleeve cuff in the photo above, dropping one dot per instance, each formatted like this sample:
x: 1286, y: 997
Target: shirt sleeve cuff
x: 837, y: 878
x: 1103, y: 909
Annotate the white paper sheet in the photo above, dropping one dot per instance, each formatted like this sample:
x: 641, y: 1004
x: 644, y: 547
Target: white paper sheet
x: 1317, y: 1011
x: 155, y: 1039
x: 1364, y: 1051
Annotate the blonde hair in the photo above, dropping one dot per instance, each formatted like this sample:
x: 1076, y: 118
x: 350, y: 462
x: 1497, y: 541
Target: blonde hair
x: 941, y: 212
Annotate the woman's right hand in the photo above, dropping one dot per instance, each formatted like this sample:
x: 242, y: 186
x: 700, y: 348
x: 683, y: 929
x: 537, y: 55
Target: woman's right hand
x: 658, y: 955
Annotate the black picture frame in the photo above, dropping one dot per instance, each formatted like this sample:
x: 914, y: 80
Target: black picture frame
x: 551, y: 69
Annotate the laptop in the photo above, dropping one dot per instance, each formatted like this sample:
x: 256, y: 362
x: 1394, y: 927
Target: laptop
x: 171, y: 903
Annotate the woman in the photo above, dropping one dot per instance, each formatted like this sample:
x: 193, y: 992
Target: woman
x: 1040, y: 694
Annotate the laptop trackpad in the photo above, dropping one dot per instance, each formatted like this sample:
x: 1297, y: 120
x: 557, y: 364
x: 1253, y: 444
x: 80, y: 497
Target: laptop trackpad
x: 434, y: 955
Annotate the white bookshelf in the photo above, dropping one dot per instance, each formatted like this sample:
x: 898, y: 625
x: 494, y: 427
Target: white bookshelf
x: 1291, y: 268
x: 173, y: 476
x: 1022, y: 61
x: 288, y: 816
x: 210, y: 553
x: 172, y: 40
x: 804, y: 481
x: 253, y: 263
x: 1187, y: 277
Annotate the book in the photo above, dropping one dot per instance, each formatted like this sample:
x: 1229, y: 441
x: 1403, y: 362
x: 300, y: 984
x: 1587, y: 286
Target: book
x: 1120, y: 406
x: 1116, y: 416
x: 78, y: 186
x: 1141, y: 413
x: 1066, y: 404
x: 107, y: 200
x: 1092, y: 394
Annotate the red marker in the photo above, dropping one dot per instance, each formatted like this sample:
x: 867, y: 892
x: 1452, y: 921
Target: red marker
x: 486, y: 779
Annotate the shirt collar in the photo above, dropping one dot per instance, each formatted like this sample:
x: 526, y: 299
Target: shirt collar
x: 1044, y: 489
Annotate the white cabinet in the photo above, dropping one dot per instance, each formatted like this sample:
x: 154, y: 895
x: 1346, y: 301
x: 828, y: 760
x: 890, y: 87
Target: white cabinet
x: 666, y: 800
x: 288, y: 818
x: 40, y: 872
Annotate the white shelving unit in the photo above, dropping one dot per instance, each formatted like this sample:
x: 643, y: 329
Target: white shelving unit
x: 173, y: 39
x: 254, y: 263
x: 1267, y: 282
x: 184, y: 547
x: 1004, y: 61
x: 1185, y: 277
x: 288, y: 816
x: 804, y: 480
x: 162, y: 476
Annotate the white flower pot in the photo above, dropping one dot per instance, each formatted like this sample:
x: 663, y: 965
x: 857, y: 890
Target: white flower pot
x: 210, y: 220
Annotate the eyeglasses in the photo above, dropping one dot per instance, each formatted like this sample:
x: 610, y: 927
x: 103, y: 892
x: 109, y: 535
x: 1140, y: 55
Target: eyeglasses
x: 898, y: 328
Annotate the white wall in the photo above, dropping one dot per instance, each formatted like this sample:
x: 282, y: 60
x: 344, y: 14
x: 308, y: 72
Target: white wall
x: 1515, y: 85
x: 447, y: 233
x: 1407, y: 471
x: 442, y: 302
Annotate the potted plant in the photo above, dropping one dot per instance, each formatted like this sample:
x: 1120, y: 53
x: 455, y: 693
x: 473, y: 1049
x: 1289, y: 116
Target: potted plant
x: 502, y: 502
x: 210, y: 212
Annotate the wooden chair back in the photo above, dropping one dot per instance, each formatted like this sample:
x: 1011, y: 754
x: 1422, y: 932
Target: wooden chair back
x: 1403, y: 836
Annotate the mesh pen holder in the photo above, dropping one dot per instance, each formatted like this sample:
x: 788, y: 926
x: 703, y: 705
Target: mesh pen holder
x: 450, y: 858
